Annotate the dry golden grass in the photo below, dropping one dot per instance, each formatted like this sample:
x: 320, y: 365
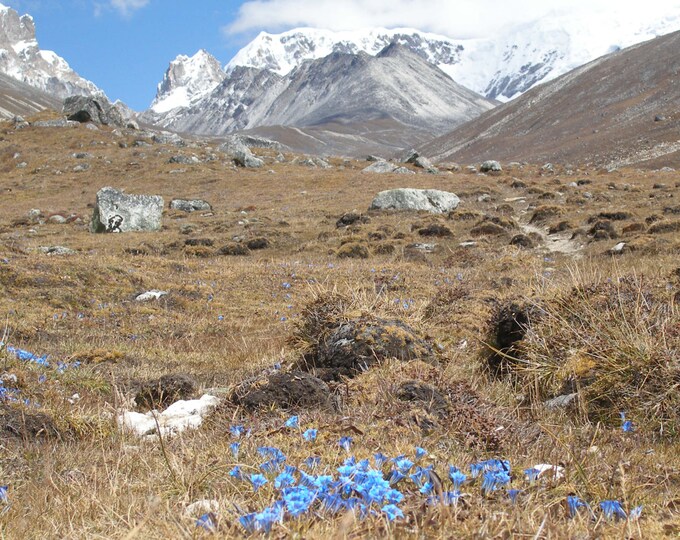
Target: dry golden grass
x: 227, y: 318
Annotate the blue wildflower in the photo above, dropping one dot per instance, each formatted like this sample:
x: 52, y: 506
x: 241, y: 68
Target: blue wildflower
x: 310, y: 435
x: 494, y: 480
x: 236, y: 473
x: 574, y: 503
x: 447, y: 498
x: 427, y: 488
x: 394, y: 496
x: 258, y: 481
x: 612, y: 509
x: 298, y: 499
x: 207, y: 522
x: 513, y: 494
x: 403, y: 464
x: 334, y: 503
x: 457, y: 477
x: 293, y: 422
x: 635, y: 513
x: 626, y: 425
x: 284, y: 480
x: 324, y: 483
x: 237, y: 431
x: 4, y: 497
x: 345, y: 443
x: 532, y: 474
x: 420, y: 453
x: 270, y: 466
x: 234, y: 447
x: 275, y: 454
x: 396, y: 477
x: 307, y: 480
x: 380, y: 459
x: 421, y: 475
x: 392, y: 512
x: 312, y: 462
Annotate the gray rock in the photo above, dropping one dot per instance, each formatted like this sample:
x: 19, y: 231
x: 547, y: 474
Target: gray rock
x: 380, y: 167
x: 490, y: 166
x: 82, y: 155
x: 184, y: 160
x: 58, y: 123
x: 560, y: 402
x: 190, y: 205
x: 372, y: 158
x: 81, y: 168
x: 240, y: 153
x: 118, y: 212
x: 132, y: 124
x: 168, y: 138
x: 423, y: 163
x: 88, y: 109
x: 56, y: 250
x: 411, y: 156
x: 429, y: 200
x: 402, y: 170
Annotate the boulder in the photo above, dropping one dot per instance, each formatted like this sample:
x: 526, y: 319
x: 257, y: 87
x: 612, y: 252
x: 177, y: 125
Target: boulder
x: 380, y: 166
x: 88, y: 109
x: 190, y: 205
x: 116, y: 211
x: 429, y: 200
x: 241, y: 154
x: 490, y: 166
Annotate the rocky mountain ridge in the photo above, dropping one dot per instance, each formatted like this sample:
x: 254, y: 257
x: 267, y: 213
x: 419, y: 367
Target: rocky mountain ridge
x: 22, y: 59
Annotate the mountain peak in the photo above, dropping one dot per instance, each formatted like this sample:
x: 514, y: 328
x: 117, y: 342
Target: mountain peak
x: 187, y: 79
x: 23, y: 60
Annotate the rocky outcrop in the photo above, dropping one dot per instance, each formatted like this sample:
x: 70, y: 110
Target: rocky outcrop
x: 429, y: 200
x: 117, y: 212
x: 88, y: 109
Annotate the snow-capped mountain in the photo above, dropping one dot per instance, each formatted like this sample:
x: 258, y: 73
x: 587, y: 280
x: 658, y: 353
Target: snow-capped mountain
x: 341, y: 87
x: 501, y: 67
x: 22, y: 59
x: 187, y: 80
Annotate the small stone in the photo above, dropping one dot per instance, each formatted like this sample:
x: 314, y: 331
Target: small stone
x: 150, y: 295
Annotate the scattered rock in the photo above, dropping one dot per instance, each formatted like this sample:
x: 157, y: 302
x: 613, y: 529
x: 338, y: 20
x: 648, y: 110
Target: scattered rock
x: 292, y: 390
x: 380, y: 167
x: 57, y: 250
x: 490, y: 166
x: 117, y: 212
x: 181, y: 159
x: 150, y: 295
x: 88, y: 109
x: 165, y: 390
x: 190, y: 205
x: 429, y: 200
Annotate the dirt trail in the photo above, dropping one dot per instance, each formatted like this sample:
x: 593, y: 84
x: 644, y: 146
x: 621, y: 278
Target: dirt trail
x: 555, y: 243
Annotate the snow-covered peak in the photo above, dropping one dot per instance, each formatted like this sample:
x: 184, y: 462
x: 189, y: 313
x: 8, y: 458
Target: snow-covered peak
x: 22, y: 59
x: 187, y: 80
x: 282, y: 53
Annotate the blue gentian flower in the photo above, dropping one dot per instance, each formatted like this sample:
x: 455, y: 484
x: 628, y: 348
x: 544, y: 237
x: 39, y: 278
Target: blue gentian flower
x: 635, y: 513
x: 293, y: 422
x: 345, y: 443
x: 310, y: 435
x: 207, y: 522
x: 394, y: 496
x: 574, y: 503
x: 237, y: 431
x: 275, y: 454
x: 396, y: 477
x: 532, y: 474
x: 380, y: 459
x: 258, y: 481
x: 457, y: 477
x: 298, y: 499
x: 4, y: 497
x: 236, y: 473
x: 392, y: 512
x: 403, y: 465
x: 612, y: 509
x: 234, y: 447
x: 427, y: 488
x: 307, y: 480
x: 312, y: 462
x: 626, y: 425
x: 420, y: 453
x: 334, y: 503
x: 284, y: 480
x: 513, y: 494
x: 270, y: 466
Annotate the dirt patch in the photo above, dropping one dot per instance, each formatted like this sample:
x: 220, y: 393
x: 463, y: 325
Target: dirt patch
x: 160, y: 393
x: 26, y: 425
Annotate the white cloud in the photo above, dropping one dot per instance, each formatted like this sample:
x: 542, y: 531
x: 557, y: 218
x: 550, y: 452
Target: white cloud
x: 127, y: 7
x: 456, y: 18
